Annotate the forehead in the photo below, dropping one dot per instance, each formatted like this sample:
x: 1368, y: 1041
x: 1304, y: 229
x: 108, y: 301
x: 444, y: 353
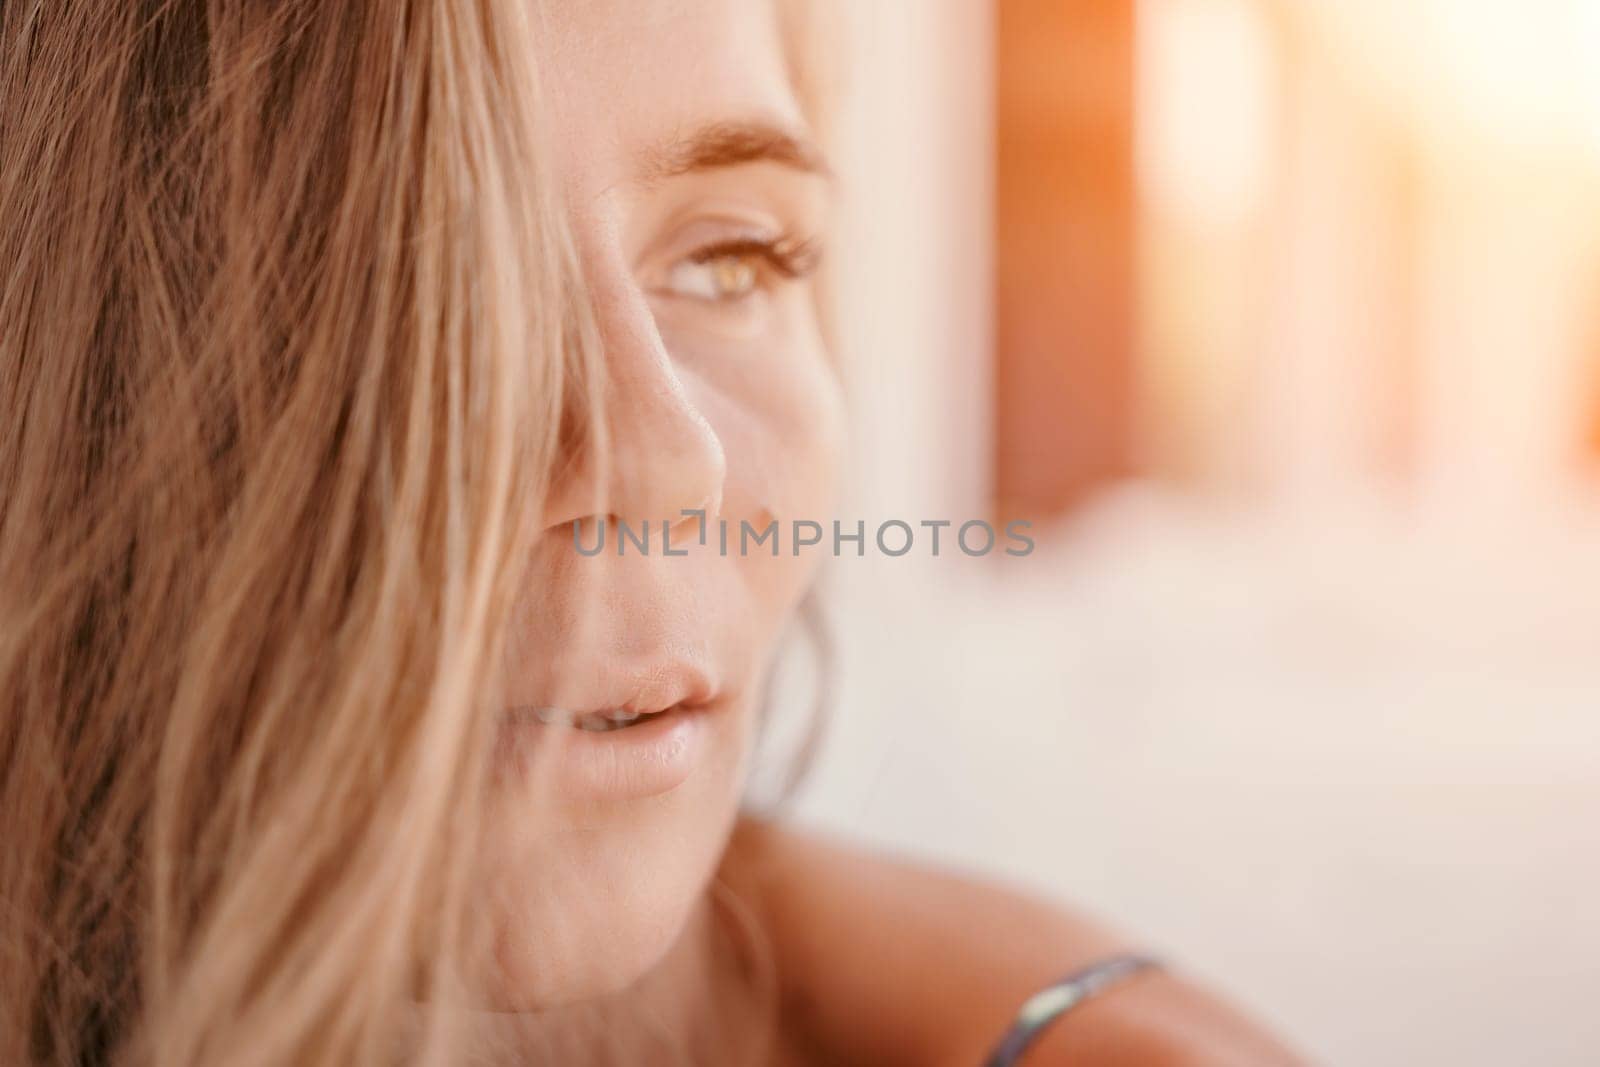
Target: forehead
x: 623, y: 74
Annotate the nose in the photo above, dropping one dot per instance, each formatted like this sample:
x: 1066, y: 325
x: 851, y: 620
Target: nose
x: 658, y: 455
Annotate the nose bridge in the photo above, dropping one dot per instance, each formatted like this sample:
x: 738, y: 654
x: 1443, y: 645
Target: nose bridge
x: 666, y: 456
x: 661, y: 455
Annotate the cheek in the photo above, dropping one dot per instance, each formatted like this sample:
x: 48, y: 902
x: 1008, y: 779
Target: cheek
x: 782, y: 430
x: 780, y: 417
x: 813, y: 425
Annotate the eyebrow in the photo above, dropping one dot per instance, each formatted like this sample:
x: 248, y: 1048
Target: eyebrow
x: 729, y: 144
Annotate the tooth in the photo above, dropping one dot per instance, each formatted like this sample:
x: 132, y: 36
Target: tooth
x: 622, y: 715
x: 593, y: 723
x: 553, y: 716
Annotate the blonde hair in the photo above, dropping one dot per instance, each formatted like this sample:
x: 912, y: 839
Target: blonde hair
x: 286, y: 320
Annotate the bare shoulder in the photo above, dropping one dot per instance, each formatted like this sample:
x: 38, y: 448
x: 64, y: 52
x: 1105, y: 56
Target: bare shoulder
x: 885, y: 960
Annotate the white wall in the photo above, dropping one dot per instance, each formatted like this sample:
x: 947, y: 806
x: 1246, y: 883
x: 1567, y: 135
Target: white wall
x: 1341, y: 758
x: 916, y: 173
x: 1299, y: 757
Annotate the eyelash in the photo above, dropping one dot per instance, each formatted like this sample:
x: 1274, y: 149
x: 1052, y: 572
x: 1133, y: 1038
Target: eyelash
x: 790, y: 258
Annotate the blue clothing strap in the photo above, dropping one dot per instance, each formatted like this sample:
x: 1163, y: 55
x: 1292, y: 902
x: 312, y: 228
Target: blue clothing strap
x: 1054, y: 1001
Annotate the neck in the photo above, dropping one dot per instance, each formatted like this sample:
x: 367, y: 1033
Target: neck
x: 702, y: 1004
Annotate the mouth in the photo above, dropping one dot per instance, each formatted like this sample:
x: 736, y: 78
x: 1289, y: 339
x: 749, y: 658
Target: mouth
x: 594, y: 722
x: 642, y: 735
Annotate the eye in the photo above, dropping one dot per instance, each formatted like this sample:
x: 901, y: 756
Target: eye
x: 726, y: 277
x: 730, y: 271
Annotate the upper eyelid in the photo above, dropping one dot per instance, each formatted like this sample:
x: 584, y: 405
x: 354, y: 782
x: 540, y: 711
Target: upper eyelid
x: 731, y: 216
x: 703, y: 236
x: 731, y: 246
x: 729, y: 203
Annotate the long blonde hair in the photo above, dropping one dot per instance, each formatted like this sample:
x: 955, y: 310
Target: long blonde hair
x: 288, y: 349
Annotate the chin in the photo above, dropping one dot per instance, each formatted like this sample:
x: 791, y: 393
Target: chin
x: 555, y: 961
x: 589, y: 911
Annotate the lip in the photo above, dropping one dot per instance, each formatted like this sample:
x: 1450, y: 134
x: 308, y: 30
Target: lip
x: 648, y: 758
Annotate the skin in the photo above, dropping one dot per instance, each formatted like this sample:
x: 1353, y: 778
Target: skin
x: 891, y: 963
x: 721, y: 395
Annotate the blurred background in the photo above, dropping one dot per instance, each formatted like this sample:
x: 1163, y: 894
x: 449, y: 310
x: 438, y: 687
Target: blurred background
x: 1280, y: 321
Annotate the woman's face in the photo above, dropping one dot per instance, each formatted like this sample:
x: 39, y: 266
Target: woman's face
x: 698, y: 204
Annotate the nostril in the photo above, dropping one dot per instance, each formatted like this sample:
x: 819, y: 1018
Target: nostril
x: 692, y: 524
x: 656, y: 453
x: 709, y: 508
